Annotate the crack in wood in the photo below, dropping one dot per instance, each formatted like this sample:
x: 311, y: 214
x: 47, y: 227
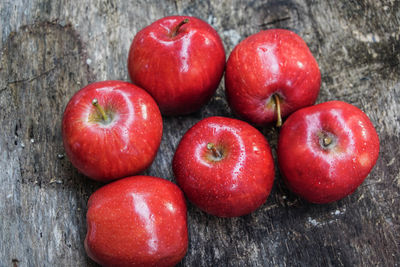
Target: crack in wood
x: 34, y: 77
x: 274, y: 21
x: 30, y: 79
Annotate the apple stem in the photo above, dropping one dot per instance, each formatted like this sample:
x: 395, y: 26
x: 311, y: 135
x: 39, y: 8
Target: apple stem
x: 327, y: 141
x: 278, y: 111
x: 215, y: 151
x: 95, y: 103
x: 176, y: 29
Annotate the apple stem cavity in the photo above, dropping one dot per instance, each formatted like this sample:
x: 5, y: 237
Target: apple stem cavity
x: 95, y: 103
x: 326, y: 140
x: 278, y: 110
x: 214, y: 150
x: 176, y: 29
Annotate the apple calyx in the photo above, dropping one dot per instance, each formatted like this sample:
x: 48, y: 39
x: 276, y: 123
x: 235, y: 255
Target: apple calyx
x: 216, y: 154
x: 326, y: 140
x: 278, y: 110
x: 104, y: 117
x: 174, y: 32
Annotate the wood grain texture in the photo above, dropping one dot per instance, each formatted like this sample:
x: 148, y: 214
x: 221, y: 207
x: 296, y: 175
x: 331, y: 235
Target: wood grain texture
x: 50, y: 49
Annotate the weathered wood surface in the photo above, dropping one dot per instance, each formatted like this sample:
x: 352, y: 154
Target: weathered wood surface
x: 50, y: 49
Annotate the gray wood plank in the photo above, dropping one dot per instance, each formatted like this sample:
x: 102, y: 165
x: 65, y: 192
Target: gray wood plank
x: 50, y: 49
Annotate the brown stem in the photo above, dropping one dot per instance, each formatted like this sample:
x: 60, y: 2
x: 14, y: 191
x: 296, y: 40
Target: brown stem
x: 100, y: 109
x: 327, y: 141
x: 174, y: 32
x: 214, y: 150
x: 278, y: 111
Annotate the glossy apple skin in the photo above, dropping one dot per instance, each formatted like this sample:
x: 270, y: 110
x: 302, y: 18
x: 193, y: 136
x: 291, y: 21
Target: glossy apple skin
x: 137, y: 221
x: 124, y: 147
x: 271, y: 62
x: 323, y: 174
x: 181, y: 72
x: 235, y: 185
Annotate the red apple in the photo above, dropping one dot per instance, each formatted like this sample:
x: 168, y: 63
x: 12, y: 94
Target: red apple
x: 270, y: 75
x: 224, y: 166
x: 137, y: 221
x: 326, y: 151
x: 111, y: 130
x: 179, y: 60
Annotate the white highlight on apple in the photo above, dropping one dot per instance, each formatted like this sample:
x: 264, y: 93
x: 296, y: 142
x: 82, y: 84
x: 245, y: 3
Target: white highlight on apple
x: 300, y: 65
x: 184, y: 53
x: 167, y: 43
x: 143, y: 107
x: 242, y: 156
x: 315, y: 126
x: 266, y: 54
x: 141, y: 208
x: 127, y: 119
x: 170, y: 207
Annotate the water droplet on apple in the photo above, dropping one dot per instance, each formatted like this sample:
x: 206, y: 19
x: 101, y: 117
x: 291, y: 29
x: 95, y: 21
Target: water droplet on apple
x: 256, y: 150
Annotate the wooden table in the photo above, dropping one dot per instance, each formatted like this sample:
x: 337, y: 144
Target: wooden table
x: 50, y: 49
